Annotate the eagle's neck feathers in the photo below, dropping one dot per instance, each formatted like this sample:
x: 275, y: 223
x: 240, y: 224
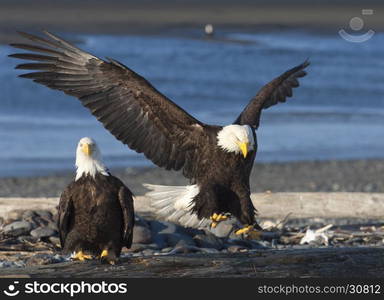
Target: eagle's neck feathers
x: 89, y: 164
x: 230, y: 136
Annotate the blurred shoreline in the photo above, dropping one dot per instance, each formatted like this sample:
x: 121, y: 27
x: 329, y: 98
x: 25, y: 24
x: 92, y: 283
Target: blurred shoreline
x: 176, y: 17
x: 303, y: 176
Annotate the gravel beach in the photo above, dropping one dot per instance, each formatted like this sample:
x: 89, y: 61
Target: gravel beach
x: 317, y: 176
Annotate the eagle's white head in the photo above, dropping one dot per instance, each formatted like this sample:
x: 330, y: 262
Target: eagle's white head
x: 236, y: 138
x: 88, y: 159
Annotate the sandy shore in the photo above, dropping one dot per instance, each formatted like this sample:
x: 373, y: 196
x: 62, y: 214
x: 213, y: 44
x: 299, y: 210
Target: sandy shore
x: 172, y: 16
x: 325, y: 176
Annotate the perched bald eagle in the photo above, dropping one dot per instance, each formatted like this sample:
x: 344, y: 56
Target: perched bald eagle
x: 96, y: 216
x: 217, y: 159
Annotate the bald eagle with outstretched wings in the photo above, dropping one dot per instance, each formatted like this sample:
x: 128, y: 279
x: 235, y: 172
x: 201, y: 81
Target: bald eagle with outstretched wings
x: 217, y: 159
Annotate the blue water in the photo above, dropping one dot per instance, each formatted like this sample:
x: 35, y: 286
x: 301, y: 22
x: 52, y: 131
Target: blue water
x: 337, y: 113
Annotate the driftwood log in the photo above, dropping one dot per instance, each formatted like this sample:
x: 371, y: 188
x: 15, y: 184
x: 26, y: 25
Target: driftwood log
x: 317, y: 262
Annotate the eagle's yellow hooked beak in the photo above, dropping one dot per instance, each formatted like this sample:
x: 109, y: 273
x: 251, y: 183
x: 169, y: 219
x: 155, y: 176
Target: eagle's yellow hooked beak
x: 244, y: 148
x: 87, y: 149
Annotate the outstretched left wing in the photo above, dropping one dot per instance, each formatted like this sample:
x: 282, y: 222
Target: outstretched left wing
x: 123, y: 101
x: 272, y: 93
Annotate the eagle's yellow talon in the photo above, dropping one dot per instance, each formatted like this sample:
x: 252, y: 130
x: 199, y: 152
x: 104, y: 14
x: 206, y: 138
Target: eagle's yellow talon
x: 244, y: 230
x: 81, y: 256
x: 216, y: 218
x: 251, y: 232
x: 104, y: 253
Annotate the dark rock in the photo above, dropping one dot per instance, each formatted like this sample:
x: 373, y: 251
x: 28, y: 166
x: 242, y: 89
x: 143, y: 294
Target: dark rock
x: 141, y: 235
x: 174, y: 239
x: 208, y: 241
x: 224, y: 228
x: 42, y: 232
x: 163, y: 227
x: 29, y: 214
x: 139, y: 221
x: 45, y: 214
x: 18, y: 228
x: 55, y: 241
x: 185, y: 242
x: 53, y: 226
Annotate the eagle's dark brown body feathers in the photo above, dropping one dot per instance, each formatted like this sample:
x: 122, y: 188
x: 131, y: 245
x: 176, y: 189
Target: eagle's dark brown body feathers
x: 96, y: 214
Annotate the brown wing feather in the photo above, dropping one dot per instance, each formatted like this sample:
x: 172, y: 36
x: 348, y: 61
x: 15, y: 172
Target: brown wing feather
x: 126, y: 203
x: 65, y: 214
x: 272, y: 93
x: 123, y: 101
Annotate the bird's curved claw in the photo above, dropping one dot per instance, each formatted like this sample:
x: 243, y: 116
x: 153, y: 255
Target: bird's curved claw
x: 81, y: 256
x: 217, y: 218
x: 249, y: 231
x: 104, y: 256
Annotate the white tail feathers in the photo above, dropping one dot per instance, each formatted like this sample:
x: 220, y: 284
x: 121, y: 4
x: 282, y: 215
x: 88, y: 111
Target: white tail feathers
x: 173, y: 203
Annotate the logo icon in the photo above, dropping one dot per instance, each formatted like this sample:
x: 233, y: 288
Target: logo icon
x: 12, y: 291
x: 357, y: 24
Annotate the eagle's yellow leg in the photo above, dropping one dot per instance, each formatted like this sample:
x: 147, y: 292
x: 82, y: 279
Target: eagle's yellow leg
x: 216, y: 218
x: 250, y: 231
x: 104, y: 255
x: 81, y: 256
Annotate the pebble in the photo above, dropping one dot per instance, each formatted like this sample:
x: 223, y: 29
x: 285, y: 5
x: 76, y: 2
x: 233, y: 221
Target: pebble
x: 29, y: 214
x: 148, y: 252
x: 142, y: 235
x: 235, y: 248
x: 168, y: 249
x: 55, y: 241
x: 42, y: 232
x: 15, y: 215
x: 44, y: 214
x: 18, y: 228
